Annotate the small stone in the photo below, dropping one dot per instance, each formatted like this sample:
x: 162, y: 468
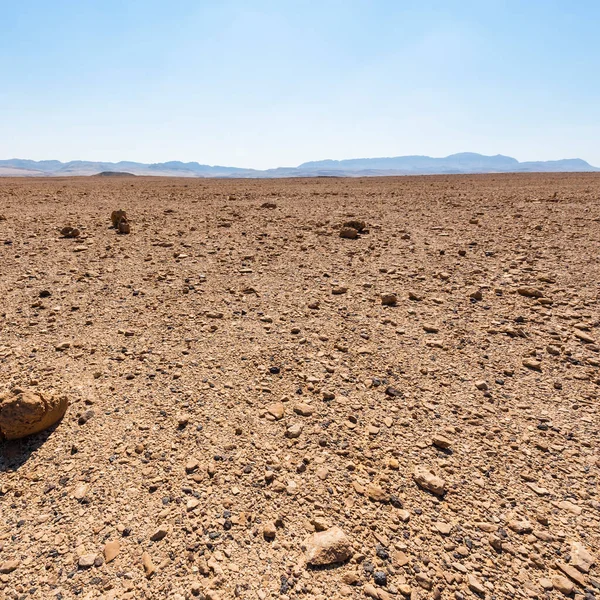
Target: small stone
x: 85, y: 417
x: 530, y: 292
x: 328, y: 547
x: 277, y: 410
x: 443, y: 528
x: 481, y: 385
x: 269, y: 530
x: 534, y: 365
x: 428, y: 481
x: 441, y: 441
x: 584, y: 337
x: 338, y: 290
x: 80, y: 491
x: 293, y: 431
x: 159, y: 534
x: 545, y: 583
x: 191, y: 465
x: 86, y: 561
x: 192, y: 504
x: 389, y: 299
x: 475, y: 585
x: 375, y: 493
x: 403, y: 515
x: 569, y: 506
x: 306, y: 410
x: 9, y: 566
x: 563, y: 585
x: 149, y: 568
x: 430, y: 328
x: 393, y: 392
x: 571, y: 573
x: 348, y: 233
x: 521, y: 527
x: 580, y: 557
x: 400, y: 558
x: 111, y: 550
x: 370, y: 591
x: 320, y: 524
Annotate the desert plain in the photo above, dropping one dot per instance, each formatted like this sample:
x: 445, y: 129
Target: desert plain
x: 246, y: 387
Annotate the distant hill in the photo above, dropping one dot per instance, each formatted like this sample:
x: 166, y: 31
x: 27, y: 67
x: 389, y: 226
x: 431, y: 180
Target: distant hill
x: 464, y: 162
x: 114, y: 174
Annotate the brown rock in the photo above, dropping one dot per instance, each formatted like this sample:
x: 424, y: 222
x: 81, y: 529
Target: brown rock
x: 9, y: 566
x: 370, y: 591
x: 428, y: 481
x: 475, y: 585
x: 277, y: 410
x: 269, y: 530
x: 116, y: 217
x: 159, y: 534
x: 580, y: 557
x: 70, y: 232
x: 355, y: 224
x: 124, y: 226
x: 441, y: 441
x: 328, y: 547
x: 25, y: 412
x: 306, y: 410
x: 530, y: 292
x: 375, y: 493
x: 563, y: 585
x: 534, y: 365
x: 111, y: 550
x: 149, y: 568
x: 572, y: 573
x: 521, y: 527
x: 348, y: 233
x: 443, y: 528
x: 389, y: 299
x: 86, y: 561
x: 293, y: 431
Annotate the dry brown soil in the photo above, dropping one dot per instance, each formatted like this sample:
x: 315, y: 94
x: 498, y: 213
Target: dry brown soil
x: 217, y: 420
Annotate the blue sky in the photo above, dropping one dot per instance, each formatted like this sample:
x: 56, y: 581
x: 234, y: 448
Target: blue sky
x: 264, y: 83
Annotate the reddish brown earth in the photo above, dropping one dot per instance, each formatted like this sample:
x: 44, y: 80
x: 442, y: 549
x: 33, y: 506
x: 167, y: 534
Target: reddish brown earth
x: 236, y: 385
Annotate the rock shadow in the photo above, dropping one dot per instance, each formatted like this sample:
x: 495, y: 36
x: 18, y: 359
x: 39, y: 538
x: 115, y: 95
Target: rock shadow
x: 15, y: 453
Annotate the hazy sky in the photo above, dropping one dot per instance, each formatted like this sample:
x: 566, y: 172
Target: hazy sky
x: 264, y: 83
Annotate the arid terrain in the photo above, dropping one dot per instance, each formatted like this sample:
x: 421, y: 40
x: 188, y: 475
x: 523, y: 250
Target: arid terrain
x: 236, y: 384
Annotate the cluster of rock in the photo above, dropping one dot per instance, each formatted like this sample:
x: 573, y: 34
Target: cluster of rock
x: 351, y: 230
x: 120, y: 222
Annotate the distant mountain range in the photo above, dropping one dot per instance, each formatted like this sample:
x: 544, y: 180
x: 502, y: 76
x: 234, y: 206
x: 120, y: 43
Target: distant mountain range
x: 465, y: 162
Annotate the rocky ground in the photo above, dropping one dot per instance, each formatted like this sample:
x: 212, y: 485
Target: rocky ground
x: 250, y: 418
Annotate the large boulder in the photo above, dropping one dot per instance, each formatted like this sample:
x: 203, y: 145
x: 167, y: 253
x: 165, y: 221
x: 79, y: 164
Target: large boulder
x: 24, y: 412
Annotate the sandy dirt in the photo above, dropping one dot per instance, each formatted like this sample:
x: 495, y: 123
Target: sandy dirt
x: 245, y: 409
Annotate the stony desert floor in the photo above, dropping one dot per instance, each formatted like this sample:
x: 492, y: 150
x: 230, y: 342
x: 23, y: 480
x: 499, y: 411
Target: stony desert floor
x: 236, y: 385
